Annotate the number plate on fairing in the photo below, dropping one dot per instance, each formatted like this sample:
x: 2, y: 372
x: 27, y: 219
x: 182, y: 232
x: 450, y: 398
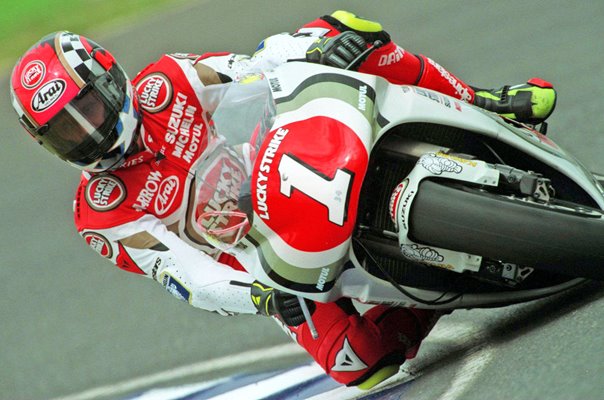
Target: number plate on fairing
x: 305, y: 190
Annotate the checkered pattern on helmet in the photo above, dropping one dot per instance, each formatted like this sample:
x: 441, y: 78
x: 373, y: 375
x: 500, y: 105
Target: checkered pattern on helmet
x: 78, y: 57
x: 126, y: 132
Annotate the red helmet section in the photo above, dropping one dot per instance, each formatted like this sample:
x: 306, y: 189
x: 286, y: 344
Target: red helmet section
x: 41, y: 83
x: 76, y: 101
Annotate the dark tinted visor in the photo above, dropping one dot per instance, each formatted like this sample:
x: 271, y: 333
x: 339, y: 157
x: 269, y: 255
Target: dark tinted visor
x: 84, y: 130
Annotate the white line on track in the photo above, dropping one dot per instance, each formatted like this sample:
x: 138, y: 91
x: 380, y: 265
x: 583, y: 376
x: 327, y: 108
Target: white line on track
x: 273, y: 385
x: 454, y: 334
x: 473, y: 365
x: 473, y: 361
x: 231, y: 361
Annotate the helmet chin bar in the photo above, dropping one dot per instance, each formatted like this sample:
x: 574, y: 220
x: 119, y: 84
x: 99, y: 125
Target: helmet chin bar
x: 436, y: 166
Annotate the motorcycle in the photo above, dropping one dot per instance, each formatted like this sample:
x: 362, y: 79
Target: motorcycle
x: 340, y: 184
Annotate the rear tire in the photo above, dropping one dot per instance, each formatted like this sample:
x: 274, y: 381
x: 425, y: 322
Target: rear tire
x: 568, y: 241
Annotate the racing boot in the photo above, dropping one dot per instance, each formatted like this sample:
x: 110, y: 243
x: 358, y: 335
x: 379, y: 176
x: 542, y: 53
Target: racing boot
x: 531, y: 103
x: 365, y: 350
x: 406, y: 325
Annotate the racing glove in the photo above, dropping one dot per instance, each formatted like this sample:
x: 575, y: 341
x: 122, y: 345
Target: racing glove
x: 338, y: 51
x: 272, y: 302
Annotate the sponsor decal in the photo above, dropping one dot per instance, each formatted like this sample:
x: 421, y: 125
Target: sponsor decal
x: 347, y: 359
x: 48, y: 94
x: 155, y: 92
x: 394, y: 56
x: 405, y: 205
x: 275, y: 84
x: 105, y: 192
x: 166, y: 193
x: 145, y: 196
x: 218, y: 192
x: 438, y: 165
x: 265, y: 169
x: 181, y: 132
x: 322, y: 278
x: 362, y: 98
x: 185, y: 56
x: 99, y: 243
x: 440, y: 99
x: 33, y: 74
x: 163, y: 190
x: 458, y: 159
x: 396, y: 194
x: 463, y: 92
x: 132, y: 161
x: 124, y: 261
x: 176, y: 288
x: 415, y: 252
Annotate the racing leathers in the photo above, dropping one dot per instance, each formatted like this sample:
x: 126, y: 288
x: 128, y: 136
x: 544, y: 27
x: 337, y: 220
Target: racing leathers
x: 142, y: 216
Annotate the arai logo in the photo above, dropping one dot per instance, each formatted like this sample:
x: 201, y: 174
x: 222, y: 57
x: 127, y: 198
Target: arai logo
x: 167, y: 192
x: 48, y: 95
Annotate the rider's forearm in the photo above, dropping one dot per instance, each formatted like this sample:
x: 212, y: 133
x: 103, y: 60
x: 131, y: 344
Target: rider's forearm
x: 147, y: 247
x: 210, y: 285
x: 273, y: 51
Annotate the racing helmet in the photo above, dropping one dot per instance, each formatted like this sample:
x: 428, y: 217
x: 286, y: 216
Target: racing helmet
x: 76, y: 101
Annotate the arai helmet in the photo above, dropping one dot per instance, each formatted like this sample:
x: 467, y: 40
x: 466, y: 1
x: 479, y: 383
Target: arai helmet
x: 76, y: 101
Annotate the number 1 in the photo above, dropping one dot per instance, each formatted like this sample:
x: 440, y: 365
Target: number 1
x: 332, y: 193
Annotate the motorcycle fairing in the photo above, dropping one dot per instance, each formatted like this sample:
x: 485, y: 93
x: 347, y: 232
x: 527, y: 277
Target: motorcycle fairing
x: 394, y: 105
x: 314, y: 172
x: 310, y: 167
x: 407, y: 104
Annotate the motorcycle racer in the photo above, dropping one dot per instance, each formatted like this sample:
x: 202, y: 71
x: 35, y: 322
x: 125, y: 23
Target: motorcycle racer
x: 137, y: 143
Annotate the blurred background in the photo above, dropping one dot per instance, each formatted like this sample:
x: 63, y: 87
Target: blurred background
x: 70, y: 321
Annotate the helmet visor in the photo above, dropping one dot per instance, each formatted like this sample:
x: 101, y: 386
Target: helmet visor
x: 84, y: 130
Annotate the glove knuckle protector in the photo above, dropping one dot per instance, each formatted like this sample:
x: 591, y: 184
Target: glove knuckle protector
x: 270, y: 302
x: 262, y: 297
x: 339, y: 51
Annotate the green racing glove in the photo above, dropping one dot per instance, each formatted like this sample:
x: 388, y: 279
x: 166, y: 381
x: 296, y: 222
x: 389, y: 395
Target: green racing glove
x: 272, y: 302
x: 338, y: 51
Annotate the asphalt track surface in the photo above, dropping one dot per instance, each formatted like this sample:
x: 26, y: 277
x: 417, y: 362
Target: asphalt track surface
x: 70, y: 322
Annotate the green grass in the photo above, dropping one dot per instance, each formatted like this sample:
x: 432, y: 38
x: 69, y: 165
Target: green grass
x: 23, y: 22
